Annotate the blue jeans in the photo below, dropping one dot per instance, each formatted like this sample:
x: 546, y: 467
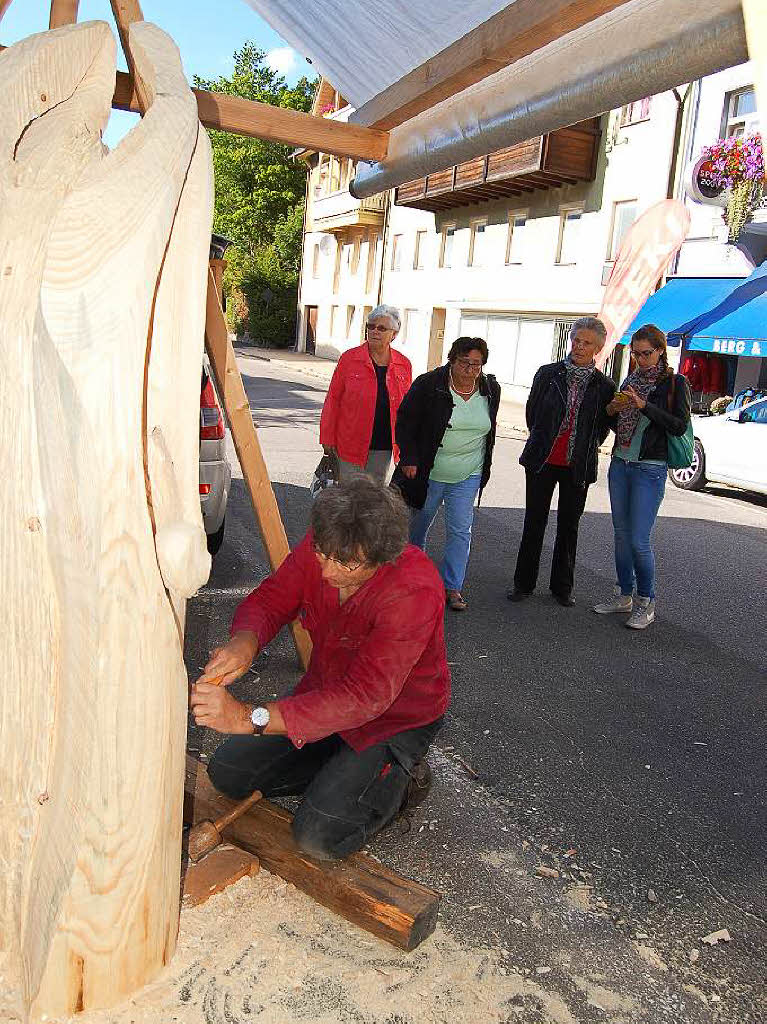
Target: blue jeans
x: 459, y: 515
x: 636, y: 493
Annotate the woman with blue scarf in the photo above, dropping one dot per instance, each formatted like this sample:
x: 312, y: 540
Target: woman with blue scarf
x: 652, y: 403
x: 568, y: 420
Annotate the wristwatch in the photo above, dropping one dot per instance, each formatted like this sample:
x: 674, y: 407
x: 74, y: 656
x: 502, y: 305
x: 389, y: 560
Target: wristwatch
x: 260, y: 719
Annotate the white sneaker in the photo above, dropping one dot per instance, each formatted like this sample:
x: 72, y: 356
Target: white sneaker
x: 643, y: 614
x: 619, y: 603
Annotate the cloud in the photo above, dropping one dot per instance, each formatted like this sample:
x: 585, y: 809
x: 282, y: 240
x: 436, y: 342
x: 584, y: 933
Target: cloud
x: 282, y: 59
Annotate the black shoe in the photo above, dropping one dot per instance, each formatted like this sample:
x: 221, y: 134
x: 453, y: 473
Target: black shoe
x: 566, y: 600
x: 515, y: 594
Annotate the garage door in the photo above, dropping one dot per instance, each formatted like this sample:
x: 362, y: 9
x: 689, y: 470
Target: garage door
x: 517, y: 345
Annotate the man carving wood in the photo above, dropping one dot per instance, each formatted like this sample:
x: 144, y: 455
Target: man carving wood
x: 353, y: 735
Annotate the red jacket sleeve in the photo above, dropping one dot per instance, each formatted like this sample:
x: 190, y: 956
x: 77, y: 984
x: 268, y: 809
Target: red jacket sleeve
x: 375, y: 678
x: 331, y: 406
x: 277, y: 600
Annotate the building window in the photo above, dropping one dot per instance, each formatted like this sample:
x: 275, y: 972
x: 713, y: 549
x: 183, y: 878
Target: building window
x: 569, y: 236
x: 419, y: 256
x: 740, y: 116
x: 316, y: 260
x: 334, y: 321
x: 478, y: 244
x: 349, y: 320
x: 371, y: 265
x: 635, y: 112
x: 515, y: 239
x: 335, y: 174
x: 396, y: 252
x: 624, y: 215
x: 446, y: 248
x: 412, y: 325
x: 356, y: 256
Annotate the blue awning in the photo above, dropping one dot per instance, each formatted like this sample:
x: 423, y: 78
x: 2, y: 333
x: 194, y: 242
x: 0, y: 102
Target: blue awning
x: 736, y: 325
x: 679, y: 301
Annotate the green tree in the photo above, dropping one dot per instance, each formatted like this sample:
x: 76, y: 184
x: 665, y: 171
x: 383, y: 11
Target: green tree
x: 259, y: 204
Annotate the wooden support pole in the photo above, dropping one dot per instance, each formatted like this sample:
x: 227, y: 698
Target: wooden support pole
x: 755, y: 18
x: 254, y: 471
x: 63, y: 12
x: 126, y: 12
x: 360, y: 889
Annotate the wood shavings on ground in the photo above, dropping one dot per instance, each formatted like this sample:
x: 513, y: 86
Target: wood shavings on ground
x: 264, y: 950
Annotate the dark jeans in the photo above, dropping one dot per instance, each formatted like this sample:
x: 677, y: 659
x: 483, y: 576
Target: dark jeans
x: 348, y: 796
x: 539, y: 490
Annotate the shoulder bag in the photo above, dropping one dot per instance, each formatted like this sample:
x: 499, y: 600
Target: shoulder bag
x: 680, y: 448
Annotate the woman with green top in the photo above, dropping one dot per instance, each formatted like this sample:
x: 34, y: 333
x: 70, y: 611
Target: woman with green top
x: 652, y: 403
x: 445, y: 433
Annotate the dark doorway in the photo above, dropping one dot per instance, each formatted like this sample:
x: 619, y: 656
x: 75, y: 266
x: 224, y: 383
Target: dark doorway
x: 311, y: 329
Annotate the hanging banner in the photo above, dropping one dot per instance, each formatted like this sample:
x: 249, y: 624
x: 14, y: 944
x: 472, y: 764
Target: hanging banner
x: 645, y: 253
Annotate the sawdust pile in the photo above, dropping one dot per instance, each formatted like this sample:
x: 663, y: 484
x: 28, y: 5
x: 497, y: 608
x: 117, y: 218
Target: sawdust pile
x: 263, y: 951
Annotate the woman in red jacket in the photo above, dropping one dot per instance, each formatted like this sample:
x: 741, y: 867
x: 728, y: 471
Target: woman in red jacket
x: 360, y: 410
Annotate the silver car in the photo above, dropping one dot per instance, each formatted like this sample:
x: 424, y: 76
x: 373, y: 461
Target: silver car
x: 215, y: 471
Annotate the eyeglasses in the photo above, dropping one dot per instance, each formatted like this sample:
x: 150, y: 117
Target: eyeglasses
x: 644, y: 354
x: 346, y: 566
x: 378, y: 327
x: 469, y: 364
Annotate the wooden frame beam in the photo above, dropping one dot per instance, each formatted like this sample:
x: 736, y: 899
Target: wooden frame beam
x: 262, y: 121
x: 4, y: 5
x: 63, y: 12
x: 232, y: 393
x: 514, y: 32
x: 125, y: 13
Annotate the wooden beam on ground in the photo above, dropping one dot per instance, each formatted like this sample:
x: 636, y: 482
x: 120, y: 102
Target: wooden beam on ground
x: 125, y: 13
x: 63, y: 12
x: 755, y: 18
x: 359, y: 889
x: 514, y: 32
x: 263, y: 121
x: 245, y: 437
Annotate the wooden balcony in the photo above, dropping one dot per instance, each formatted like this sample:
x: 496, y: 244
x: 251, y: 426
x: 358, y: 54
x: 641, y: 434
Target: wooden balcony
x: 340, y: 211
x: 563, y: 157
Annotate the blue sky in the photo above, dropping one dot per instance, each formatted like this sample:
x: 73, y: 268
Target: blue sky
x: 206, y: 31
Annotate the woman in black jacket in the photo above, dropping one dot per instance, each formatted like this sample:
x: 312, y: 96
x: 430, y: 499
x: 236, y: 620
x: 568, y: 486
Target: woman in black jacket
x: 568, y: 420
x: 653, y: 402
x: 446, y: 433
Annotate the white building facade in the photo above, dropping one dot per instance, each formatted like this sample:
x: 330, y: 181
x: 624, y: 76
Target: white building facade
x: 514, y: 247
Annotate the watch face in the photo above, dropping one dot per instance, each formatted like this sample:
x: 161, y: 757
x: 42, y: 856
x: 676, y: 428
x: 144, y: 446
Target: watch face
x: 259, y: 717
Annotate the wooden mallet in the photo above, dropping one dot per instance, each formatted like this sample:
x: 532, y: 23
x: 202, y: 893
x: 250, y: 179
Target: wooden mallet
x: 206, y: 835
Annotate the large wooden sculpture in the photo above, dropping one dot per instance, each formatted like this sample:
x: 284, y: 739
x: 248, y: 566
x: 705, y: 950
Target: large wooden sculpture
x: 103, y: 268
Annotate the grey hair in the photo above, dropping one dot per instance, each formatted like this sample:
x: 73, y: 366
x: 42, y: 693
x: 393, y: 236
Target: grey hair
x: 361, y: 518
x: 381, y: 311
x: 589, y: 323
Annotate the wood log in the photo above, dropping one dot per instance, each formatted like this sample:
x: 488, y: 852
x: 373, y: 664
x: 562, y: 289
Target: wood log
x: 93, y: 715
x: 245, y: 436
x: 359, y: 889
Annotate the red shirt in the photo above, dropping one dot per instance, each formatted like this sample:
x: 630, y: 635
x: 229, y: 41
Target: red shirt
x: 558, y: 453
x: 347, y: 417
x: 378, y: 665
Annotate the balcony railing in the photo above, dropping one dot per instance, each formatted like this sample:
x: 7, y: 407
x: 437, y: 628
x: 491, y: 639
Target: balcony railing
x: 341, y: 210
x: 563, y: 157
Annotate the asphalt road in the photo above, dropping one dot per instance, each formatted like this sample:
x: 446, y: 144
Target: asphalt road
x: 630, y: 763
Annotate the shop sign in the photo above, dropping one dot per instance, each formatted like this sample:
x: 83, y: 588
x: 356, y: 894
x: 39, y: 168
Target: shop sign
x: 739, y: 347
x: 701, y: 184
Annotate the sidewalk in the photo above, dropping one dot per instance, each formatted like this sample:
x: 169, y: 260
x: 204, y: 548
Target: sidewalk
x: 511, y: 415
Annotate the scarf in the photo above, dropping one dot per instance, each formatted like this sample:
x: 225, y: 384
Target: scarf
x: 642, y: 381
x: 578, y: 378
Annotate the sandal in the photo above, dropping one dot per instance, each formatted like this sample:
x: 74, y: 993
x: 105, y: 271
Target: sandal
x: 455, y: 601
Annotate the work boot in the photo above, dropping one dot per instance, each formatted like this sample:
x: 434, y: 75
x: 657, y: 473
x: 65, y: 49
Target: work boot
x: 620, y: 603
x: 643, y: 614
x: 418, y: 787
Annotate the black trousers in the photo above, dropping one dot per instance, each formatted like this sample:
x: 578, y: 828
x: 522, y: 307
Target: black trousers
x: 539, y: 490
x: 348, y: 796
